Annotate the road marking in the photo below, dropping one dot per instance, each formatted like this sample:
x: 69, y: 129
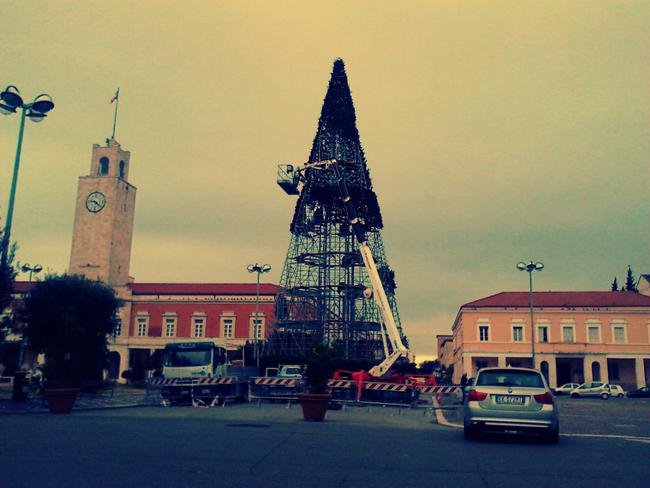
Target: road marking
x: 612, y: 436
x: 440, y: 418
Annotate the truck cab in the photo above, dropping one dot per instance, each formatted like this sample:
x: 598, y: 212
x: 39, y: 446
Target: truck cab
x: 192, y: 359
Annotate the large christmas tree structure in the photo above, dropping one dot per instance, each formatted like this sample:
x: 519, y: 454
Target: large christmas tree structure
x: 324, y: 277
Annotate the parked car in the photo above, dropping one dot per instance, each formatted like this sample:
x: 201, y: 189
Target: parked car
x: 593, y: 389
x: 640, y: 393
x: 566, y: 388
x: 616, y: 391
x: 511, y: 400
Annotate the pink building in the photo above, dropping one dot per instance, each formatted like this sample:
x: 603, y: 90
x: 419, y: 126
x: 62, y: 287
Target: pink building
x: 579, y: 336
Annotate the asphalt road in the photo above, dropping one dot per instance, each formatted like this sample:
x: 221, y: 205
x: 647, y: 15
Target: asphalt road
x: 271, y: 446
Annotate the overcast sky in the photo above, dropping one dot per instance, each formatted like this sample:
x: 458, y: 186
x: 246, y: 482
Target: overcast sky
x: 495, y: 132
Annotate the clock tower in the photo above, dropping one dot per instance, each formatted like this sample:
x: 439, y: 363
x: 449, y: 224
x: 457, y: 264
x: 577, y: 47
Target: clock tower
x: 104, y: 213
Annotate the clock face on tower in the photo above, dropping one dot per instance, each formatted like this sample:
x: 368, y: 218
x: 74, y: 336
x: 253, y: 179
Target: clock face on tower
x: 95, y: 201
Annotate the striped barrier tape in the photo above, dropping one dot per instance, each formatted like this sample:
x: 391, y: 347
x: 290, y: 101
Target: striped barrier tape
x: 437, y: 389
x: 288, y: 382
x: 191, y: 381
x: 376, y: 386
x: 341, y: 384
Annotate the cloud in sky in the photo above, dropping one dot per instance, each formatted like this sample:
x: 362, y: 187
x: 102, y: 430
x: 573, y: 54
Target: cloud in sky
x: 494, y: 132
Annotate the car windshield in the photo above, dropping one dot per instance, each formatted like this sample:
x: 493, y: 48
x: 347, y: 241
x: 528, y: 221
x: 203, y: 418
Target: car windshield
x: 504, y: 377
x: 292, y: 371
x: 187, y: 358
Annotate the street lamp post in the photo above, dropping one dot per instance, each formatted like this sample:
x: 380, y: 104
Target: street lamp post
x: 259, y: 269
x: 10, y: 101
x: 530, y: 267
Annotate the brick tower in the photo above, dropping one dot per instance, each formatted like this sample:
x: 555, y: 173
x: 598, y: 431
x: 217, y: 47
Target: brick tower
x: 104, y: 213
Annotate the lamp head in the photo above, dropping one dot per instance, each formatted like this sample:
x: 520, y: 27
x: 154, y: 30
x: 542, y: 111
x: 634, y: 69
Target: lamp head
x: 25, y: 268
x: 43, y: 103
x: 521, y: 266
x: 266, y: 268
x: 37, y: 268
x: 35, y: 116
x: 539, y: 266
x: 11, y: 97
x: 251, y: 268
x: 6, y: 109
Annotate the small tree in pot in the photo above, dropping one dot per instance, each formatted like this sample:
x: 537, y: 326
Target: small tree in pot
x: 314, y: 403
x: 69, y: 319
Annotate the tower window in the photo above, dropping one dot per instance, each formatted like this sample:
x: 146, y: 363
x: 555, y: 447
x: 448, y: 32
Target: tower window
x: 122, y: 167
x: 103, y: 166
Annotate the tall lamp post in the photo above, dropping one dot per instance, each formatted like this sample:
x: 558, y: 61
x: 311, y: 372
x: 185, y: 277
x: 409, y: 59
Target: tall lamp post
x: 259, y: 269
x: 10, y: 101
x: 530, y: 267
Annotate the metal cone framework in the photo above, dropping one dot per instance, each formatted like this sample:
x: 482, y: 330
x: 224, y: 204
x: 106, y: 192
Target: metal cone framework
x: 323, y: 278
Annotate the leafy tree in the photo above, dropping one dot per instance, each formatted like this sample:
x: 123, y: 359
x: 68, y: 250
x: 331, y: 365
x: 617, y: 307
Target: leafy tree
x: 428, y: 367
x: 629, y: 280
x: 319, y: 368
x: 614, y: 284
x: 7, y: 278
x: 69, y: 319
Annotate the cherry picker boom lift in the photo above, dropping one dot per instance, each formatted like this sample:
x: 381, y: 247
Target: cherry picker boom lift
x: 394, y: 347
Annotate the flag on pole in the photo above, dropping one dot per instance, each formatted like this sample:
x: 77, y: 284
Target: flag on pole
x: 116, y: 96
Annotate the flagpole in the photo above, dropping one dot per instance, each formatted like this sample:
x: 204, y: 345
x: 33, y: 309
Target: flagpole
x: 117, y: 102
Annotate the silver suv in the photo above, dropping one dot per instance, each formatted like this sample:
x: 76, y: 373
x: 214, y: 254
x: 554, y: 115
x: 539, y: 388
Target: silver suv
x: 511, y: 400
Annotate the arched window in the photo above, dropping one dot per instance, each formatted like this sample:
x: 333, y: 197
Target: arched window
x: 595, y: 371
x: 103, y: 166
x: 543, y: 366
x: 122, y: 168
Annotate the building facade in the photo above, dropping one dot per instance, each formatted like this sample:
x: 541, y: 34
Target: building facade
x: 579, y: 336
x: 228, y: 314
x: 445, y: 345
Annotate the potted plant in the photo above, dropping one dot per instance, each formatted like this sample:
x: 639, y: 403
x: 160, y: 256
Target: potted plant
x: 314, y: 403
x: 69, y: 319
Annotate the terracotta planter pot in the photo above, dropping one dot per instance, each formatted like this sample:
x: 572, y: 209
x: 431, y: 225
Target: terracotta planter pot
x: 314, y: 406
x: 60, y: 400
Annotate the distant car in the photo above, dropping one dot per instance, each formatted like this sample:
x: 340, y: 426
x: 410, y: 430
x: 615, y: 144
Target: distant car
x: 616, y: 391
x: 510, y: 400
x: 593, y: 389
x: 566, y: 388
x: 640, y: 393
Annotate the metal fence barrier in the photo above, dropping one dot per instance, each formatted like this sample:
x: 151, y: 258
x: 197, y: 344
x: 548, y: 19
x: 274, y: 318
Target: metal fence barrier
x: 384, y: 393
x: 269, y: 388
x: 343, y: 391
x: 201, y: 392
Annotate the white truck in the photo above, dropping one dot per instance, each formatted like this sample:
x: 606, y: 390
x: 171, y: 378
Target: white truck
x: 200, y: 372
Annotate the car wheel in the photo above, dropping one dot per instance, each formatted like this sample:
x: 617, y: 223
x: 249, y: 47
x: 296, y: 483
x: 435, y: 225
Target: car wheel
x: 575, y: 395
x: 604, y: 396
x: 620, y: 395
x: 470, y: 433
x: 552, y: 436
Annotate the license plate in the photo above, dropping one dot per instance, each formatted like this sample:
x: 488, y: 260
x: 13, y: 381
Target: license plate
x: 509, y: 399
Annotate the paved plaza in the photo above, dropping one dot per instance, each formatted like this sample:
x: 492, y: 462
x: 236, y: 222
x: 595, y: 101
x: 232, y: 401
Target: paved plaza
x: 269, y: 445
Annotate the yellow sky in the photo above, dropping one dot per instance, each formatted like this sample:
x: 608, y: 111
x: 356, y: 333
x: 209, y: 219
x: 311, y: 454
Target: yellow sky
x: 495, y: 131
